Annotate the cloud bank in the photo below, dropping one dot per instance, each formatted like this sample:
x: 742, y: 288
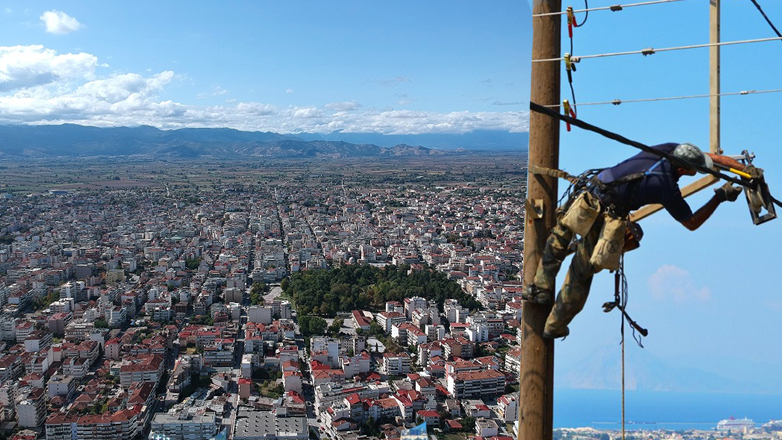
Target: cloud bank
x: 40, y: 86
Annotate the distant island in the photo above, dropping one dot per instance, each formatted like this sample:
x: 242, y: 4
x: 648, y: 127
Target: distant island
x: 68, y: 140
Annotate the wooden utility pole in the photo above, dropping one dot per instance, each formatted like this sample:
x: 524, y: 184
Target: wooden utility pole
x: 536, y: 409
x: 714, y: 77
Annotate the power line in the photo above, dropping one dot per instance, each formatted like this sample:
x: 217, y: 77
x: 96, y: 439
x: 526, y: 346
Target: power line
x: 672, y: 98
x: 613, y: 8
x: 767, y: 19
x: 652, y: 51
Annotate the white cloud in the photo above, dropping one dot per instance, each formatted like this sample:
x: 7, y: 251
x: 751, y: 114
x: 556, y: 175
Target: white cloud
x: 289, y: 91
x: 60, y: 23
x: 307, y: 112
x: 30, y: 66
x: 40, y: 86
x: 345, y: 106
x: 675, y: 284
x: 217, y: 91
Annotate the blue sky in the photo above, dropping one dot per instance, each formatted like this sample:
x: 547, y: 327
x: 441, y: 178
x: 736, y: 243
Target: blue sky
x: 292, y: 66
x: 710, y: 298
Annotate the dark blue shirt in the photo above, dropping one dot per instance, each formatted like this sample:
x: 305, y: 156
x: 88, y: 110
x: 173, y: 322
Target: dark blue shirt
x: 659, y: 185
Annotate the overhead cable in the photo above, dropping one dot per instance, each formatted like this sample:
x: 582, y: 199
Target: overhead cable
x: 613, y: 8
x: 767, y: 19
x: 652, y: 51
x: 672, y: 98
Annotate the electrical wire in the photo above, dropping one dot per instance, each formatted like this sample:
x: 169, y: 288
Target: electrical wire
x: 586, y: 16
x: 651, y: 51
x: 766, y: 17
x: 672, y: 98
x: 613, y: 8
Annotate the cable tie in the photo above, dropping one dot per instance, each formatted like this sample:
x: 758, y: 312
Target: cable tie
x: 616, y: 101
x: 648, y: 51
x: 615, y: 8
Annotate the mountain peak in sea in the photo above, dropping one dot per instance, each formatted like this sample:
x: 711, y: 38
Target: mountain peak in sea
x: 644, y: 371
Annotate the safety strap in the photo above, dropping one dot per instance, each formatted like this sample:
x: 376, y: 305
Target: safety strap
x: 552, y: 172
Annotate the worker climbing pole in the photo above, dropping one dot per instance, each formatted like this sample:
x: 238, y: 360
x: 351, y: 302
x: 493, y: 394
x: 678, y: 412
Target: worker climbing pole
x: 648, y: 178
x: 536, y: 411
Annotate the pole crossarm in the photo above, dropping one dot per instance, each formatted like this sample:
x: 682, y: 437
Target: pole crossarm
x: 652, y: 51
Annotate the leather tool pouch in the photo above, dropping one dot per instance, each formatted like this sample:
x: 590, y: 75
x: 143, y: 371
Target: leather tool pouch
x: 610, y: 245
x: 582, y: 213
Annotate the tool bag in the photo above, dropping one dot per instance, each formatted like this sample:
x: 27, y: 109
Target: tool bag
x: 582, y: 213
x: 610, y: 245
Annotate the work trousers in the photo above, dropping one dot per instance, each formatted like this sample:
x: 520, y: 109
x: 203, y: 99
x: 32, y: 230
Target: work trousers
x: 575, y: 289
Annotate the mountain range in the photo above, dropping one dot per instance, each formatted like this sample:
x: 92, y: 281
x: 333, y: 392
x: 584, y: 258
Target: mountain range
x: 68, y: 140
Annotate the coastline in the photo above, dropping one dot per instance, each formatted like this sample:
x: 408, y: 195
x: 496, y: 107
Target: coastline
x: 654, y: 410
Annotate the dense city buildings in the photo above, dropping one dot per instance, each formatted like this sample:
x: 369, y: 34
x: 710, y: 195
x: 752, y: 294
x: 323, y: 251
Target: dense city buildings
x: 151, y: 313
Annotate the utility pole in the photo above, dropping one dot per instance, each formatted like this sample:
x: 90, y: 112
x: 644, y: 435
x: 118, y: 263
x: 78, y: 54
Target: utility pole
x: 536, y: 399
x: 714, y: 77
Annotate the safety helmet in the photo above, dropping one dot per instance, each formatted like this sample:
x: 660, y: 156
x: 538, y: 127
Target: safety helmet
x: 691, y: 154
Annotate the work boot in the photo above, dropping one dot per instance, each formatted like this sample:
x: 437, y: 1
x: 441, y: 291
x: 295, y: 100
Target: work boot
x: 535, y: 294
x: 555, y: 333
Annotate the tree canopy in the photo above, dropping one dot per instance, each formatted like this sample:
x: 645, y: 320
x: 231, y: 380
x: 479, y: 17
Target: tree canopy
x: 312, y: 325
x: 326, y: 292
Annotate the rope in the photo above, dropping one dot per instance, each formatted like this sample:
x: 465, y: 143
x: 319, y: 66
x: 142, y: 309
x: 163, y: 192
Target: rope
x: 621, y: 139
x: 767, y: 19
x: 622, y: 331
x: 651, y: 51
x: 613, y: 8
x: 672, y: 98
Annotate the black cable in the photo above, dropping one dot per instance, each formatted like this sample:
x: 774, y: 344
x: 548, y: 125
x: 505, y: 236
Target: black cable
x: 621, y: 139
x: 586, y: 6
x: 767, y: 19
x: 572, y: 93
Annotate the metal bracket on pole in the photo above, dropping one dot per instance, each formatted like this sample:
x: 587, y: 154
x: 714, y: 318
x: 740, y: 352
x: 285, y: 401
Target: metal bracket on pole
x: 534, y: 208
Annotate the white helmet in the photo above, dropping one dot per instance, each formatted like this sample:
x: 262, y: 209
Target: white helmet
x: 691, y: 154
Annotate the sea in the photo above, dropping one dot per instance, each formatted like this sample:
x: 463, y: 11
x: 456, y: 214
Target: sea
x: 652, y: 410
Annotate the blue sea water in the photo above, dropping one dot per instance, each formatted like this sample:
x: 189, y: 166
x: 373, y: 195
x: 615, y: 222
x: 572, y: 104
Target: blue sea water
x: 649, y: 410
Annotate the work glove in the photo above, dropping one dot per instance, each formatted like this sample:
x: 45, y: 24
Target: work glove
x: 754, y: 171
x: 727, y: 192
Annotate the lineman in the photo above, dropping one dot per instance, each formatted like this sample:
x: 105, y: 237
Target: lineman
x: 599, y: 215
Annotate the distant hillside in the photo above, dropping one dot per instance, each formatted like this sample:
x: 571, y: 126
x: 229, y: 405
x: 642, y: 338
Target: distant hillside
x: 25, y: 141
x: 476, y: 140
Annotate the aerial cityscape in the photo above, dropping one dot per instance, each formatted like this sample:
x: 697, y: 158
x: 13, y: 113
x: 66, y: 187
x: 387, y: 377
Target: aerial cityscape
x: 194, y: 299
x: 306, y: 220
